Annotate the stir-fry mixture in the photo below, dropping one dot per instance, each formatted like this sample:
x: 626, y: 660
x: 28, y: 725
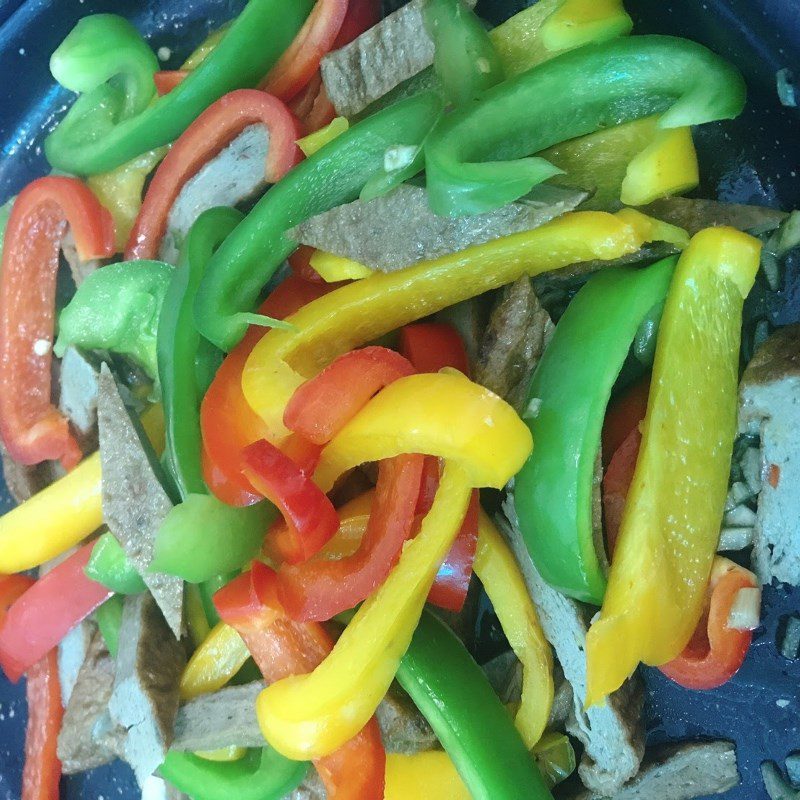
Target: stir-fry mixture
x: 377, y: 322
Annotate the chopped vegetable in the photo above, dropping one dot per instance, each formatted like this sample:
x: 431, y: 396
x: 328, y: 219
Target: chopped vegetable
x: 45, y: 613
x: 32, y: 428
x: 590, y: 81
x: 221, y: 655
x: 574, y: 379
x: 686, y: 444
x: 109, y: 125
x: 110, y: 566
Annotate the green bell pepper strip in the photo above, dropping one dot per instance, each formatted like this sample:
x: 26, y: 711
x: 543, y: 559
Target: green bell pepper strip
x: 476, y: 158
x: 335, y: 174
x: 103, y: 47
x: 109, y: 619
x: 117, y: 308
x: 110, y: 565
x: 99, y: 133
x: 465, y: 59
x: 202, y: 537
x: 474, y: 727
x: 571, y: 387
x: 261, y: 775
x: 180, y: 351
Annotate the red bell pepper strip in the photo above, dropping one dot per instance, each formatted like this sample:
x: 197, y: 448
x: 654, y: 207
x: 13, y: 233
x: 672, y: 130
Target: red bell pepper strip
x: 623, y: 415
x: 431, y: 346
x: 320, y: 589
x: 322, y: 406
x: 282, y: 647
x: 47, y: 612
x: 309, y: 514
x: 296, y: 67
x: 616, y: 482
x: 322, y: 112
x: 302, y: 104
x: 361, y: 16
x: 42, y: 770
x: 32, y: 428
x: 716, y: 652
x: 210, y: 133
x: 12, y: 587
x: 166, y: 80
x: 228, y: 423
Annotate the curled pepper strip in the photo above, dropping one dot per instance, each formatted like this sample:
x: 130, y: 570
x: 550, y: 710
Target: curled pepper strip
x: 571, y: 95
x: 214, y: 129
x: 362, y: 311
x: 497, y: 570
x: 99, y: 133
x: 33, y: 430
x: 484, y: 444
x: 332, y: 176
x: 670, y: 526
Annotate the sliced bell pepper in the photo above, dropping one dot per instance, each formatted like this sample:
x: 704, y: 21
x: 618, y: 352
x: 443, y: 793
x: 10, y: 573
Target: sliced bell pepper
x: 431, y: 346
x: 624, y: 413
x: 110, y: 566
x: 121, y: 189
x: 221, y: 655
x: 464, y: 57
x: 362, y: 311
x: 320, y: 589
x: 485, y: 443
x: 260, y: 775
x: 309, y: 514
x: 571, y: 388
x: 497, y: 570
x: 300, y: 262
x: 716, y: 651
x: 166, y: 80
x: 670, y: 527
x: 203, y: 537
x: 228, y: 424
x: 62, y: 514
x: 301, y: 60
x: 180, y: 348
x: 480, y: 157
x: 626, y: 163
x: 47, y: 612
x: 320, y: 408
x: 210, y: 133
x: 33, y: 430
x: 418, y: 776
x: 355, y: 769
x: 109, y: 618
x: 312, y: 142
x: 12, y: 587
x: 135, y: 290
x: 334, y: 175
x: 42, y: 769
x: 100, y: 132
x: 453, y: 694
x: 616, y: 483
x: 333, y: 268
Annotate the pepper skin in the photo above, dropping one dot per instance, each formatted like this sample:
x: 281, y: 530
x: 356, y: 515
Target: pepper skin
x: 99, y: 133
x: 572, y: 386
x: 33, y: 430
x: 480, y: 157
x: 332, y: 176
x: 670, y: 527
x: 367, y: 309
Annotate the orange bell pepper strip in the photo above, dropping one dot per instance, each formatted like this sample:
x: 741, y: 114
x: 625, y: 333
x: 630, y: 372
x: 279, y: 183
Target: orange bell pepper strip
x: 33, y: 430
x: 42, y: 770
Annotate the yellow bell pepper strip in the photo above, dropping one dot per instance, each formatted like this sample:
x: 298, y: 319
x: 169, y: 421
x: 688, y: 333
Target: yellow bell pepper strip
x: 579, y: 22
x: 654, y: 230
x: 214, y: 663
x: 670, y: 525
x: 497, y: 570
x: 332, y: 268
x: 367, y: 309
x: 484, y: 443
x: 205, y: 48
x: 421, y: 776
x: 626, y: 163
x: 120, y: 191
x: 317, y: 140
x: 64, y: 513
x: 225, y: 754
x: 52, y: 521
